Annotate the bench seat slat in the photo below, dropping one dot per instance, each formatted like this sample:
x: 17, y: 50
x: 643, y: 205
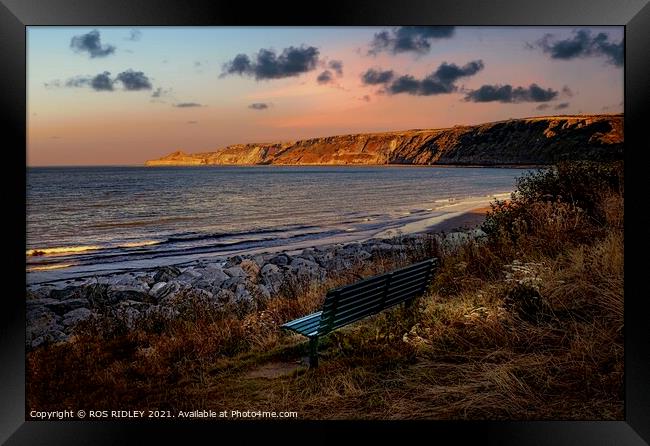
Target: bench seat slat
x: 404, y: 288
x: 304, y: 325
x: 340, y: 322
x: 346, y: 292
x: 361, y: 308
x: 415, y: 277
x: 411, y: 268
x: 370, y: 297
x: 353, y: 297
x: 360, y: 284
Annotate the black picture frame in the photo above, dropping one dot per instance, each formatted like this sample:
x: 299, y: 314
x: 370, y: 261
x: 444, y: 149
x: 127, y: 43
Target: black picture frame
x: 15, y: 15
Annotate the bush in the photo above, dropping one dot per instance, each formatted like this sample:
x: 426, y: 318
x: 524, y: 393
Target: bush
x: 559, y: 204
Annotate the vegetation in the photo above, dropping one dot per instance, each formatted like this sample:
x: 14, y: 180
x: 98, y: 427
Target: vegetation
x: 524, y: 323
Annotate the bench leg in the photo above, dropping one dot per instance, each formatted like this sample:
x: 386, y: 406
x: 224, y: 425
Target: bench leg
x: 313, y: 352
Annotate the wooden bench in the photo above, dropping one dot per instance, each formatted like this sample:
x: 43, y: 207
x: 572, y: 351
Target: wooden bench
x: 348, y: 304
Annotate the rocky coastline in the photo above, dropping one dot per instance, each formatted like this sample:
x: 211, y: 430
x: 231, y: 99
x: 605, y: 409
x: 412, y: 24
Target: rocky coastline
x: 53, y: 311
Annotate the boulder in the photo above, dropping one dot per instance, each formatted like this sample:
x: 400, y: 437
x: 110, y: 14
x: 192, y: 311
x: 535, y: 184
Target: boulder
x: 271, y: 277
x: 233, y: 282
x: 190, y: 275
x: 65, y: 306
x: 170, y: 289
x: 155, y: 289
x: 235, y: 271
x: 242, y: 294
x: 279, y: 260
x: 302, y: 268
x: 75, y: 316
x: 166, y: 273
x: 212, y: 275
x: 43, y: 329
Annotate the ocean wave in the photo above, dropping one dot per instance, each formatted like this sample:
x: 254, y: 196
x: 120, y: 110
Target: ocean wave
x: 61, y: 250
x: 49, y: 267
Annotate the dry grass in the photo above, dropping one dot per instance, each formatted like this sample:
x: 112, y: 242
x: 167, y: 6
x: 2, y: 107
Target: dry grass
x: 527, y: 324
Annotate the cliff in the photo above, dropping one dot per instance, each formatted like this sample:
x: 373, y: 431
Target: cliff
x: 540, y: 140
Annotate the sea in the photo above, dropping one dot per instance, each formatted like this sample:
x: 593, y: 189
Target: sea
x: 84, y: 221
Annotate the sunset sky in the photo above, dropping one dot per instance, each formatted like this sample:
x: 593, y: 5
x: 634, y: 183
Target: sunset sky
x: 120, y: 96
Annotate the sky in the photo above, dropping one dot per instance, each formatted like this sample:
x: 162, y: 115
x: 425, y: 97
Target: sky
x: 121, y: 95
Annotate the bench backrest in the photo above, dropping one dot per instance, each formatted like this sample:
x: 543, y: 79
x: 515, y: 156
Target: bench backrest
x: 350, y: 303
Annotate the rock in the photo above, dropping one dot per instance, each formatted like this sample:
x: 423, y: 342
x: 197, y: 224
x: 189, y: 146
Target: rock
x: 381, y: 247
x: 301, y: 268
x: 235, y: 271
x: 213, y: 275
x: 260, y: 260
x: 127, y: 282
x: 271, y: 277
x: 43, y: 329
x: 242, y: 294
x: 75, y: 316
x: 280, y: 260
x: 251, y: 268
x: 119, y: 295
x: 232, y: 282
x: 156, y: 288
x: 189, y: 275
x: 166, y: 273
x: 65, y: 306
x: 169, y: 290
x: 234, y: 260
x: 38, y: 293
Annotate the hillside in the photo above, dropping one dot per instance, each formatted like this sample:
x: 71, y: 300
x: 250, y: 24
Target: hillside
x: 540, y: 140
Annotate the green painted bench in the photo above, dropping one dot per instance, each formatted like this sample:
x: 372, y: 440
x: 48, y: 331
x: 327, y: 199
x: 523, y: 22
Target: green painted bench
x: 350, y: 303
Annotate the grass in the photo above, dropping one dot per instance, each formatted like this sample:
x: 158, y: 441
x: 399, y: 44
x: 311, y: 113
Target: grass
x: 526, y: 323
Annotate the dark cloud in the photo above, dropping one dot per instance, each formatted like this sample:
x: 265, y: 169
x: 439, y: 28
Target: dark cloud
x: 267, y: 64
x: 131, y: 81
x: 187, y: 104
x: 91, y: 43
x: 134, y: 80
x: 567, y: 91
x: 375, y: 76
x: 415, y: 39
x: 365, y: 98
x: 337, y: 66
x: 561, y: 106
x: 102, y: 82
x: 134, y: 35
x: 192, y: 122
x: 542, y: 107
x: 582, y: 44
x: 325, y: 77
x: 441, y: 81
x: 506, y: 93
x: 259, y: 106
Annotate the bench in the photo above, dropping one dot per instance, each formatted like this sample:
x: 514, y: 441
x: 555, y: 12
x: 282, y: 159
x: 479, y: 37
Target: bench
x: 350, y: 303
